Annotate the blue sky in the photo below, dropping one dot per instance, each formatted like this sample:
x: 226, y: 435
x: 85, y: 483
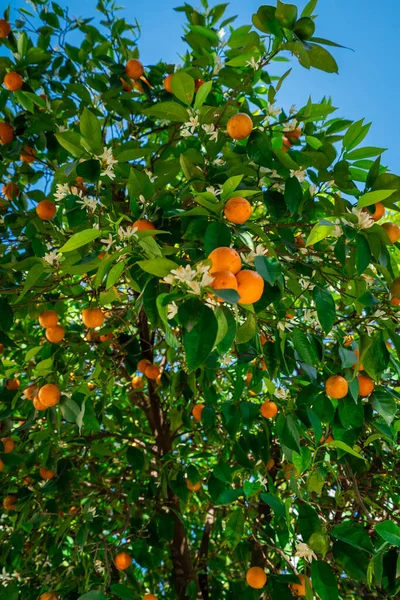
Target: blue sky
x: 367, y: 82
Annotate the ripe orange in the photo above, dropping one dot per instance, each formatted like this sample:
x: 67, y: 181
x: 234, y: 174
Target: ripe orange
x: 268, y: 409
x: 270, y: 464
x: 137, y: 382
x: 238, y: 210
x: 10, y: 190
x: 48, y: 596
x: 356, y: 364
x: 55, y: 334
x: 250, y: 286
x: 9, y: 502
x: 106, y: 337
x: 6, y: 133
x: 125, y: 85
x: 5, y: 28
x: 48, y: 318
x: 299, y: 589
x: 49, y: 394
x: 1, y: 465
x: 149, y: 597
x: 12, y: 384
x: 263, y: 339
x: 295, y: 134
x: 395, y: 301
x: 197, y: 84
x: 46, y: 473
x: 336, y: 387
x: 392, y: 231
x: 395, y: 287
x: 366, y: 385
x: 28, y: 154
x: 196, y: 412
x: 239, y: 126
x: 152, y: 371
x: 143, y: 225
x: 46, y: 210
x: 91, y: 385
x: 142, y: 365
x: 348, y: 341
x: 379, y: 211
x: 286, y: 144
x: 92, y: 317
x: 224, y: 280
x: 193, y: 487
x: 8, y: 444
x: 13, y: 81
x: 225, y: 259
x: 38, y: 404
x: 256, y: 578
x: 249, y: 377
x: 167, y: 82
x: 122, y: 561
x: 134, y: 68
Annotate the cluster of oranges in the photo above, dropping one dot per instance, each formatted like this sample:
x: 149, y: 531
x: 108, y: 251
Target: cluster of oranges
x: 53, y: 331
x: 226, y: 268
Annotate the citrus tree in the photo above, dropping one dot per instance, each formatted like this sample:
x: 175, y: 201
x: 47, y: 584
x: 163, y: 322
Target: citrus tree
x: 198, y: 318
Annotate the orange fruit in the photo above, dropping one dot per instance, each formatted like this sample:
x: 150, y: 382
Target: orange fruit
x: 238, y: 210
x: 5, y: 28
x: 250, y: 286
x: 268, y: 409
x: 326, y: 440
x: 46, y: 210
x: 256, y: 578
x: 49, y: 395
x: 149, y: 597
x: 92, y: 317
x: 225, y: 259
x: 152, y: 371
x: 224, y: 280
x: 13, y: 81
x: 286, y: 144
x: 295, y: 134
x: 395, y: 287
x: 91, y: 385
x: 348, y: 341
x: 270, y: 464
x: 336, y: 387
x: 46, y: 473
x: 392, y: 231
x: 8, y: 444
x: 1, y: 348
x: 193, y: 487
x: 379, y: 211
x: 365, y: 385
x: 55, y: 334
x: 196, y: 412
x: 48, y: 318
x: 9, y: 502
x: 122, y: 561
x: 142, y: 365
x: 12, y: 384
x: 10, y: 190
x: 137, y: 382
x: 143, y: 225
x: 30, y: 391
x: 48, y: 596
x: 167, y: 82
x: 395, y: 301
x: 134, y: 68
x: 1, y: 465
x: 263, y: 339
x: 28, y: 154
x: 249, y: 377
x: 239, y: 126
x: 197, y: 84
x: 356, y: 364
x: 38, y: 404
x: 106, y: 337
x: 6, y: 133
x: 299, y: 589
x: 125, y: 85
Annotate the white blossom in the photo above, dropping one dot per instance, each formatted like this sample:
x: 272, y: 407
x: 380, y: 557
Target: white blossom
x: 370, y: 329
x: 380, y: 313
x: 218, y: 64
x: 142, y: 199
x: 172, y: 310
x: 312, y: 189
x: 291, y: 126
x: 292, y: 109
x: 299, y: 174
x: 281, y: 393
x: 108, y: 242
x: 211, y: 131
x: 249, y: 258
x: 186, y: 133
x: 107, y: 161
x: 282, y: 325
x: 61, y: 128
x: 364, y: 218
x: 150, y: 175
x: 304, y: 551
x: 128, y: 233
x: 183, y: 274
x: 221, y: 33
x: 218, y: 162
x: 192, y: 124
x: 213, y: 190
x: 280, y: 187
x: 253, y: 63
x: 212, y: 303
x: 52, y: 257
x: 62, y: 190
x: 273, y: 110
x: 90, y: 203
x: 305, y: 283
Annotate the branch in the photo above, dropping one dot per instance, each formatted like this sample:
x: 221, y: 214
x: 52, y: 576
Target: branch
x: 203, y: 554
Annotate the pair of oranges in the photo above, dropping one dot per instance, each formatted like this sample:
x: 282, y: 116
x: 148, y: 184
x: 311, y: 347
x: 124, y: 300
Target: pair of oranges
x: 226, y: 268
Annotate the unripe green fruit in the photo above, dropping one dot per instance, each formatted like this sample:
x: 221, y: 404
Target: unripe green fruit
x: 319, y: 542
x: 304, y: 28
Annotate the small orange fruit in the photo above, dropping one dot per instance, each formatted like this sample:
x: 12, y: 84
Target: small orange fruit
x: 224, y: 280
x: 286, y: 144
x: 46, y: 210
x: 9, y: 502
x: 122, y: 561
x: 239, y: 126
x: 336, y: 387
x: 6, y: 133
x: 1, y: 466
x: 379, y: 211
x: 249, y: 377
x: 30, y: 391
x: 8, y: 444
x: 193, y: 487
x: 365, y: 385
x: 5, y: 28
x: 256, y: 578
x: 250, y: 286
x: 91, y: 386
x: 326, y: 440
x: 46, y: 473
x: 92, y: 317
x: 137, y: 382
x: 357, y: 363
x: 134, y: 68
x: 10, y: 190
x: 225, y: 259
x: 48, y: 596
x: 268, y: 409
x: 392, y: 231
x: 143, y: 225
x: 12, y: 384
x: 55, y: 334
x: 152, y: 371
x: 13, y: 81
x: 263, y: 339
x: 238, y: 210
x: 299, y: 589
x: 149, y: 597
x: 49, y: 395
x: 196, y: 412
x: 142, y: 365
x: 167, y: 83
x: 270, y: 464
x: 38, y: 404
x: 106, y: 337
x: 48, y: 318
x: 28, y: 154
x: 197, y: 84
x: 295, y: 134
x: 395, y: 301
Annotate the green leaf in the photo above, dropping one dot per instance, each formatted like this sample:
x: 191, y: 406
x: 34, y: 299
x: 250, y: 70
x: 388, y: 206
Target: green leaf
x: 304, y: 348
x: 202, y: 93
x: 72, y: 142
x: 290, y: 434
x: 384, y: 404
x: 353, y: 534
x: 374, y: 197
x: 276, y: 504
x: 32, y: 277
x: 90, y: 126
x: 80, y: 239
x: 234, y: 528
x: 70, y: 410
x: 269, y: 268
x: 319, y: 232
x: 293, y: 194
x: 199, y: 333
x: 247, y: 331
x: 89, y: 170
x: 342, y: 446
x: 122, y: 591
x: 309, y: 8
x: 171, y: 111
x: 182, y: 85
x: 324, y: 581
x: 286, y: 14
x: 355, y: 134
x: 321, y: 59
x: 6, y: 315
x: 160, y: 267
x: 230, y: 185
x: 259, y: 149
x: 365, y: 152
x: 217, y: 235
x: 93, y: 595
x: 389, y: 531
x: 115, y: 273
x: 326, y: 309
x: 363, y: 254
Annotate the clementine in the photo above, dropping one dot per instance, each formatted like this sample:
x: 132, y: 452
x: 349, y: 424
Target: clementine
x: 46, y: 210
x: 224, y: 280
x: 239, y: 126
x: 5, y: 28
x: 92, y: 317
x: 134, y: 68
x: 392, y: 231
x: 122, y: 561
x: 196, y: 412
x: 55, y: 334
x: 336, y: 387
x: 365, y: 385
x: 28, y: 154
x: 6, y: 133
x: 49, y: 395
x: 10, y: 190
x: 13, y: 81
x: 268, y: 409
x: 225, y: 259
x: 250, y: 286
x: 143, y: 225
x: 238, y: 210
x: 48, y: 318
x: 256, y: 578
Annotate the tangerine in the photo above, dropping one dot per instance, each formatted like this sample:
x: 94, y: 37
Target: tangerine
x: 250, y: 286
x: 10, y: 190
x: 239, y: 126
x: 392, y: 231
x: 336, y: 387
x: 224, y: 280
x: 55, y: 334
x: 365, y: 385
x: 143, y: 225
x: 5, y: 28
x: 134, y: 68
x: 13, y: 81
x: 92, y: 317
x: 379, y: 211
x: 196, y: 412
x: 49, y: 395
x: 48, y: 318
x: 225, y: 259
x: 6, y: 133
x: 256, y: 578
x: 46, y: 210
x: 238, y: 210
x: 122, y: 561
x: 268, y: 409
x: 28, y: 154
